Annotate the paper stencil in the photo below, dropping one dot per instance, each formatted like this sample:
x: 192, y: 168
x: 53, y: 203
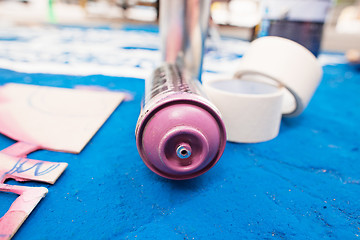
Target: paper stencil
x: 24, y: 169
x: 44, y: 118
x: 20, y: 209
x: 51, y: 118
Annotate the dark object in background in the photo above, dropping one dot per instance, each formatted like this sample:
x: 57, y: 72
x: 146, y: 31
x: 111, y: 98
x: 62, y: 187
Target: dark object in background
x: 353, y: 56
x: 308, y: 34
x: 299, y: 20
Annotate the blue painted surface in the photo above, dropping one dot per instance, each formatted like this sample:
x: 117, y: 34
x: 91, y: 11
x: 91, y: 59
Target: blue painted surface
x: 305, y: 184
x: 6, y: 199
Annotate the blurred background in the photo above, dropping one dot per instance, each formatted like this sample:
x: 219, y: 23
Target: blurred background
x: 337, y: 23
x: 72, y: 36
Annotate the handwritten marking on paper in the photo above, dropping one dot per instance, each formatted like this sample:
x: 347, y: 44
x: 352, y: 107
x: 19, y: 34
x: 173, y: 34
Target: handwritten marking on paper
x: 18, y: 167
x: 25, y: 169
x: 22, y: 169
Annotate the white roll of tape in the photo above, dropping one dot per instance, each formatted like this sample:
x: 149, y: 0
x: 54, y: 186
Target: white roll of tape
x: 288, y: 63
x: 250, y: 108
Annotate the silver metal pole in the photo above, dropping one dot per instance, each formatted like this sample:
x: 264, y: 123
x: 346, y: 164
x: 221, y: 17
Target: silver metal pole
x: 183, y: 30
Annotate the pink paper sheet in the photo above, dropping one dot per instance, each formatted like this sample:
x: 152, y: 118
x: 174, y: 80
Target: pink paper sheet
x: 57, y: 119
x: 20, y: 209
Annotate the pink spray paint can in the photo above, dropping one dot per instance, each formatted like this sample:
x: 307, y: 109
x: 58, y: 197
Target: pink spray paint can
x: 180, y: 134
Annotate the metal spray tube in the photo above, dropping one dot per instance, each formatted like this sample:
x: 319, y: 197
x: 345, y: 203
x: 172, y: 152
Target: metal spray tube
x: 180, y: 134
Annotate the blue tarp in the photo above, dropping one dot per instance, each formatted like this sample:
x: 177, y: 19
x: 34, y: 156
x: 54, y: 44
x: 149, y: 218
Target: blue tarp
x: 304, y: 184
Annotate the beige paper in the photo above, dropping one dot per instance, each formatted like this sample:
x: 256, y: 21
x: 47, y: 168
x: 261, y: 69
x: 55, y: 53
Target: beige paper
x: 20, y: 209
x: 24, y: 169
x: 57, y: 119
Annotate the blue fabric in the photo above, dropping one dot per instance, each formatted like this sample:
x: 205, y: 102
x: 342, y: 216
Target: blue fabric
x: 304, y: 184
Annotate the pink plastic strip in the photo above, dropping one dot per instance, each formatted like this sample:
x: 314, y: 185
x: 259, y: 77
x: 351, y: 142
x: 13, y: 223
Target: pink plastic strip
x: 24, y: 169
x: 20, y: 209
x: 20, y: 149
